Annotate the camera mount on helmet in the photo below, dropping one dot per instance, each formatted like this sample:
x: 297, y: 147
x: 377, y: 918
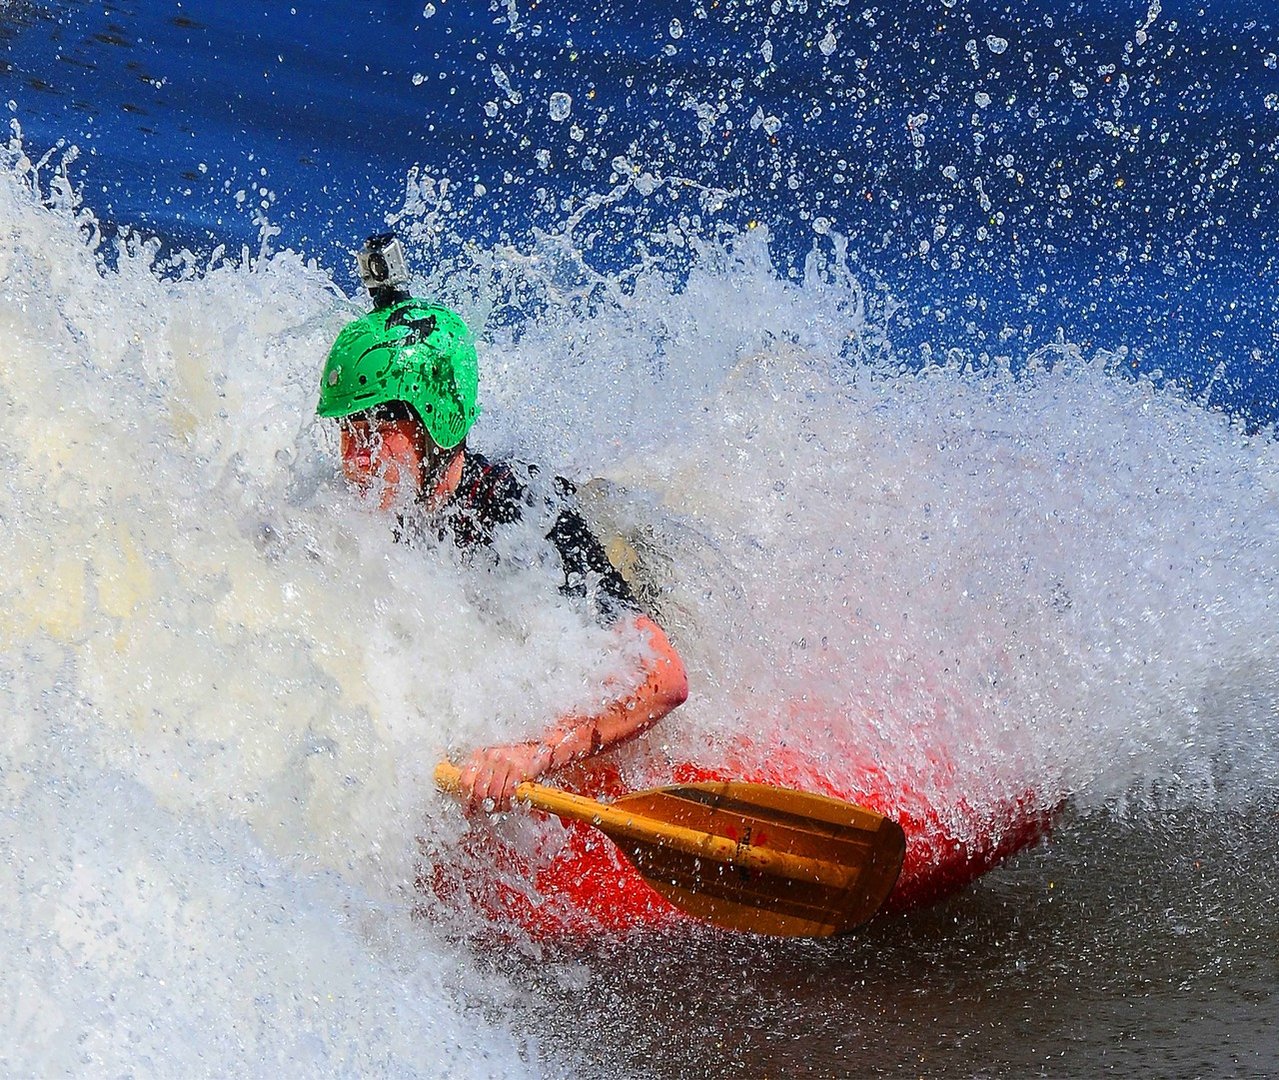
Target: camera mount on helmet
x: 383, y: 269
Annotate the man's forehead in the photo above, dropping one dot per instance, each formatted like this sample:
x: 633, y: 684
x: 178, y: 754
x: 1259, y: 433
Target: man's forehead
x: 381, y: 415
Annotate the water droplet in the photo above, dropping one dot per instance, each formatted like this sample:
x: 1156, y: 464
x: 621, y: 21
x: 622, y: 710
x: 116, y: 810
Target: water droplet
x: 561, y: 106
x: 677, y: 30
x: 996, y: 44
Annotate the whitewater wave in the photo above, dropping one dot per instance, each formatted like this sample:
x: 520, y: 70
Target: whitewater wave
x: 226, y: 687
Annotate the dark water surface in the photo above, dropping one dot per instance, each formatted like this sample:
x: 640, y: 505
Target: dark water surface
x: 1142, y: 947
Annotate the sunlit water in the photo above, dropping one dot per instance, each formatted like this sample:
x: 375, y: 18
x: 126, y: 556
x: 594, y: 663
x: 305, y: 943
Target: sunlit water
x: 226, y: 687
x: 1020, y: 567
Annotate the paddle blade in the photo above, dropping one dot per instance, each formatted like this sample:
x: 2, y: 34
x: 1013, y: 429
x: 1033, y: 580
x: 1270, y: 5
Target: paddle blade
x: 802, y: 865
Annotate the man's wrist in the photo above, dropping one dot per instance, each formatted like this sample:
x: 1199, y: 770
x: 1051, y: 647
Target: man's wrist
x: 545, y: 756
x: 579, y: 741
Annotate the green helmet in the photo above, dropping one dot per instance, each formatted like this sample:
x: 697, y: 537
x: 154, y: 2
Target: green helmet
x: 411, y: 351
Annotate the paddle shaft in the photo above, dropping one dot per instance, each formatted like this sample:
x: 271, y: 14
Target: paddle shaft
x: 622, y: 823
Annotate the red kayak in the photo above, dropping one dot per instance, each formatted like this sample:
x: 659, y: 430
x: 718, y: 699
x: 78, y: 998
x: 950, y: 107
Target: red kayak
x: 568, y: 880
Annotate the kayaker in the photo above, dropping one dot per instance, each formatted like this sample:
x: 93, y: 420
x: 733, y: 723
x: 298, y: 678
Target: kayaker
x: 402, y: 383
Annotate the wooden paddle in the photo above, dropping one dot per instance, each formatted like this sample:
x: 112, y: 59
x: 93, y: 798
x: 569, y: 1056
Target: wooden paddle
x: 743, y: 856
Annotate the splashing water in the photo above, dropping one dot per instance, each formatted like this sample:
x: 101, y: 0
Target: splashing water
x: 210, y: 835
x: 226, y: 687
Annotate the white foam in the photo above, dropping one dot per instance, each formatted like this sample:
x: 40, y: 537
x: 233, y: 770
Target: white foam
x: 220, y: 722
x: 1050, y: 582
x: 226, y: 688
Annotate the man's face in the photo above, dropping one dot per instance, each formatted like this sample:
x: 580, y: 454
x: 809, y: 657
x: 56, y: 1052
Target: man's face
x: 384, y: 459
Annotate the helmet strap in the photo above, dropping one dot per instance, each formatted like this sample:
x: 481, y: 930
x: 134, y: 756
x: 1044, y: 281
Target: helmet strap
x: 442, y: 469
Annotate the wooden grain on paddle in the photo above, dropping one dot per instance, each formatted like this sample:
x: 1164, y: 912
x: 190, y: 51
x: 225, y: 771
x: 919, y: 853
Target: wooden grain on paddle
x: 744, y: 856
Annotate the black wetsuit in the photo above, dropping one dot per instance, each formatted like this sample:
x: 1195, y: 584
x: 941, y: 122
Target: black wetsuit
x: 490, y: 495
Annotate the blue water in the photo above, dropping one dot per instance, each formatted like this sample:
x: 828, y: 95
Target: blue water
x: 997, y: 285
x: 1105, y: 169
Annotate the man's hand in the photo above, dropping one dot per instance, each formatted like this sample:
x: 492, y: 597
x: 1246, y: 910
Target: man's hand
x: 489, y: 779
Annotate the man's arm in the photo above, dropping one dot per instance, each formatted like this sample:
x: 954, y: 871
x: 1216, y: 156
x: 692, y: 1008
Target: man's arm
x: 494, y: 772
